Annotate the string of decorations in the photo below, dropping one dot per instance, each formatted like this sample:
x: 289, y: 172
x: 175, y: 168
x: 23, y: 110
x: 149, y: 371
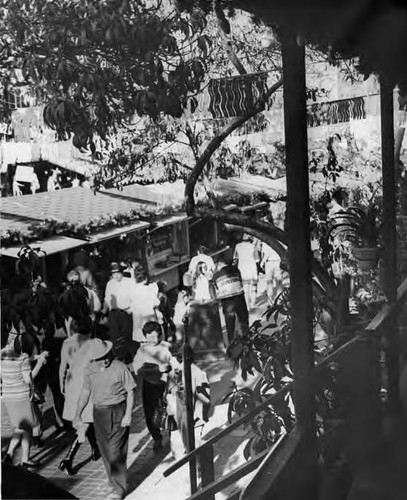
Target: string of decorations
x: 52, y: 227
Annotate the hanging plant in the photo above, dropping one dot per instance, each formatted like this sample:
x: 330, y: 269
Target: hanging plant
x: 29, y: 261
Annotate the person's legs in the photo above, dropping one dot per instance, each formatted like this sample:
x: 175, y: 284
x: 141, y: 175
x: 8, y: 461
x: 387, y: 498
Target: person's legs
x: 118, y: 440
x: 241, y: 312
x: 114, y: 325
x: 14, y: 442
x: 177, y: 446
x: 37, y: 428
x: 253, y: 291
x: 247, y: 293
x: 121, y: 333
x: 198, y: 435
x: 269, y: 272
x: 58, y: 398
x: 102, y: 422
x: 152, y: 395
x: 230, y: 317
x: 25, y: 447
x: 90, y: 434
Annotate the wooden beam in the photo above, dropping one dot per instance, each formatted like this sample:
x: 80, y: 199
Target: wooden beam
x: 389, y: 190
x: 389, y: 228
x: 189, y: 397
x: 298, y: 222
x: 264, y: 483
x: 229, y: 478
x: 299, y: 248
x: 248, y: 417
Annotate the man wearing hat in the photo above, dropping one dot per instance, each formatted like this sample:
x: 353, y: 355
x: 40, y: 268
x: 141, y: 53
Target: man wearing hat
x: 120, y: 295
x: 110, y: 385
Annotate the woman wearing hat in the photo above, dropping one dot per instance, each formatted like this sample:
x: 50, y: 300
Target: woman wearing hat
x: 76, y: 354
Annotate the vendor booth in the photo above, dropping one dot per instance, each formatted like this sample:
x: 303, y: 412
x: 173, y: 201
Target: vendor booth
x: 167, y: 249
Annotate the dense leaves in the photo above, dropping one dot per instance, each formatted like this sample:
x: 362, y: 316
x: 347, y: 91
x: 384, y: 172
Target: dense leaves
x: 101, y: 62
x: 265, y: 351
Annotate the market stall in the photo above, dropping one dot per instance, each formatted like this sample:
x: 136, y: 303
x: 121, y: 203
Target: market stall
x: 167, y: 249
x: 53, y: 255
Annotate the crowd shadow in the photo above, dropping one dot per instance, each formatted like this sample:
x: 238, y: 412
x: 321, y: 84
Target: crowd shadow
x: 141, y: 469
x: 52, y: 447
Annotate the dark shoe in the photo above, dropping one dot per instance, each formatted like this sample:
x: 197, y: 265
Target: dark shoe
x: 28, y: 465
x: 60, y: 429
x: 158, y: 444
x: 66, y: 465
x: 67, y: 462
x: 37, y: 441
x: 95, y: 455
x: 8, y: 459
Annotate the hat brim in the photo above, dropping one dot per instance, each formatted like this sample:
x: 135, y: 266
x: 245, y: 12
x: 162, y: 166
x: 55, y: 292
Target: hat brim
x: 101, y: 352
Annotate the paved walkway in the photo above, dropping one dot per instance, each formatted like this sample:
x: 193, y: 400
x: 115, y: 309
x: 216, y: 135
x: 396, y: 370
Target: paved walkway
x: 146, y: 469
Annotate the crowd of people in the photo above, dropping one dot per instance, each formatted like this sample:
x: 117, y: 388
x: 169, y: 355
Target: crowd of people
x: 110, y: 341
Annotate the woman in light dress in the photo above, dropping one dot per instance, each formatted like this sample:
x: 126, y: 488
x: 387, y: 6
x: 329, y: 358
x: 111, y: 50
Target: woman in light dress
x: 76, y: 354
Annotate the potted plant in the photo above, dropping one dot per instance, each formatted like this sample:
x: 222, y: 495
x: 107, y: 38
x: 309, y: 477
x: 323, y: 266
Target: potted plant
x: 366, y: 251
x: 360, y: 227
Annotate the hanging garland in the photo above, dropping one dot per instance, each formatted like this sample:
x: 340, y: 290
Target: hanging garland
x: 51, y: 227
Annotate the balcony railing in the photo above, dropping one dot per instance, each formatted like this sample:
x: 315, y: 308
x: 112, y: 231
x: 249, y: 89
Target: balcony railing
x: 360, y: 360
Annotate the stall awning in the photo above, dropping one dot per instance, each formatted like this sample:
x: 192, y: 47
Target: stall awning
x: 174, y: 219
x: 50, y: 246
x: 112, y: 233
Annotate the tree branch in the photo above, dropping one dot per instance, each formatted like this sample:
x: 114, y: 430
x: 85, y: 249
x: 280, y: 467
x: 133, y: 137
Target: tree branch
x: 216, y: 141
x: 245, y: 221
x: 231, y: 54
x: 273, y: 236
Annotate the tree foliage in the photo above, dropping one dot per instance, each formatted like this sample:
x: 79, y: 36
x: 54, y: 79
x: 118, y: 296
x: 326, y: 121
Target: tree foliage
x: 103, y: 61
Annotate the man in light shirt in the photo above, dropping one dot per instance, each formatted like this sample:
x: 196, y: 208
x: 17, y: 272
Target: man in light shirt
x: 246, y: 258
x: 119, y: 301
x: 109, y: 384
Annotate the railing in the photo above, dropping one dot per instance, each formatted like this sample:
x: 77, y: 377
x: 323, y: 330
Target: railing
x: 271, y: 463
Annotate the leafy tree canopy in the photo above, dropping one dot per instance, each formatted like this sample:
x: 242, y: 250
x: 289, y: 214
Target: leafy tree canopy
x: 102, y: 61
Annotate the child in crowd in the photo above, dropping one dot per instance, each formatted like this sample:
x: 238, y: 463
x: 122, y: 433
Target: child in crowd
x: 176, y: 404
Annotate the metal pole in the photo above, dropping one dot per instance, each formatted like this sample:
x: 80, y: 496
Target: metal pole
x: 299, y: 248
x: 389, y: 228
x: 189, y: 405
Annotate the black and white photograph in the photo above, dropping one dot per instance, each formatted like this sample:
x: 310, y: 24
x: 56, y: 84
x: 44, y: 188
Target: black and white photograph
x: 203, y: 261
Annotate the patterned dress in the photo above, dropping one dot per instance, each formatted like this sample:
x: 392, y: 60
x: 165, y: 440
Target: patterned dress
x: 15, y: 391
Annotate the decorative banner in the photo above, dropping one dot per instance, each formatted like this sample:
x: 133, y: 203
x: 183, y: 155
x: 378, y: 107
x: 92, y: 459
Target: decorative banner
x: 236, y: 95
x: 329, y: 113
